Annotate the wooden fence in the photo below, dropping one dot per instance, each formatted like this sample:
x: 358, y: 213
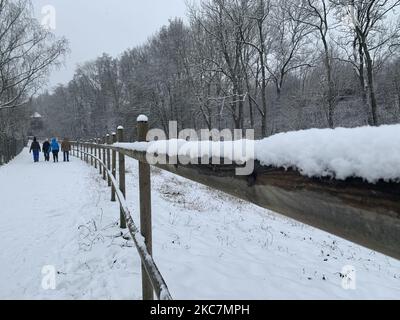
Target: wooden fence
x: 364, y: 213
x: 9, y: 148
x: 101, y: 156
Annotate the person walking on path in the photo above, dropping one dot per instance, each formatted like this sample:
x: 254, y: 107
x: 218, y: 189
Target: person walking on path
x: 55, y: 149
x: 35, y: 148
x: 46, y: 150
x: 66, y: 149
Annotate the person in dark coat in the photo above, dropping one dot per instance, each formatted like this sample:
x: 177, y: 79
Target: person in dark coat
x: 66, y: 149
x: 35, y: 148
x: 55, y: 149
x: 46, y: 150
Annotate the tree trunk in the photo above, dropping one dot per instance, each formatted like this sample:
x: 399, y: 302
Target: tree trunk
x: 361, y: 76
x: 331, y: 89
x: 371, y: 85
x: 263, y: 100
x: 263, y: 73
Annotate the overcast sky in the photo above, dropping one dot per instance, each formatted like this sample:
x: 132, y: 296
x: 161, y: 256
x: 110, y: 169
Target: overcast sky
x: 97, y: 26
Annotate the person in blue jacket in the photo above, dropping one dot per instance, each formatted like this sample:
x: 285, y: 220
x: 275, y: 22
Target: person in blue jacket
x: 55, y: 149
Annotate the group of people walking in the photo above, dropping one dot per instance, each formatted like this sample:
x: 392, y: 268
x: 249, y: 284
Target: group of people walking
x: 48, y: 148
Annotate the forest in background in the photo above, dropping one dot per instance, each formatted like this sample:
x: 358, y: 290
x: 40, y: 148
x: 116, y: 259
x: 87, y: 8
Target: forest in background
x: 28, y: 54
x: 272, y: 65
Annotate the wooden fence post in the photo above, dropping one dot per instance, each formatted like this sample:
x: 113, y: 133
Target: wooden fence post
x: 145, y: 207
x: 87, y: 151
x: 104, y: 160
x: 82, y: 150
x: 11, y: 149
x: 10, y: 157
x: 99, y: 149
x: 14, y: 147
x: 91, y: 152
x: 95, y: 153
x: 109, y: 158
x: 122, y: 185
x: 7, y: 150
x: 114, y: 167
x: 81, y: 146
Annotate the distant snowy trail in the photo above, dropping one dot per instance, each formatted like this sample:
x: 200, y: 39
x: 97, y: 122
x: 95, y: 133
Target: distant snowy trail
x: 206, y: 244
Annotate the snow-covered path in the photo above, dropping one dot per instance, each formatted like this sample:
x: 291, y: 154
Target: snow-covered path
x: 44, y: 212
x: 207, y: 245
x: 40, y: 206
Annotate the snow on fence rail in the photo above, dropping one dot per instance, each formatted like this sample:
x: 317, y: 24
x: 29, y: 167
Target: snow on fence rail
x: 363, y: 209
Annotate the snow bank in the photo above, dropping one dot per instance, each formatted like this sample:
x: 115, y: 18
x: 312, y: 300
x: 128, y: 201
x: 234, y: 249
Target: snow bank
x: 371, y: 153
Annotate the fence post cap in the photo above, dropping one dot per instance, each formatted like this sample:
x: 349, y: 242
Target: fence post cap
x: 120, y: 128
x: 142, y: 118
x: 114, y: 133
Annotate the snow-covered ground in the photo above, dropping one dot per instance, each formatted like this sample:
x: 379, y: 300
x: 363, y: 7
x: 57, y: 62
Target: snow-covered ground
x: 207, y: 245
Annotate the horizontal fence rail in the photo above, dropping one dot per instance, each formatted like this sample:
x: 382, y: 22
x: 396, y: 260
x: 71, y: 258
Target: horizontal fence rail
x: 365, y: 213
x: 361, y: 212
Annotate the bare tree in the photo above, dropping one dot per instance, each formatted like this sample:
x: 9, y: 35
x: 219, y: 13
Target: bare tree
x: 316, y: 14
x: 288, y: 48
x: 222, y: 21
x: 27, y: 53
x: 375, y: 37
